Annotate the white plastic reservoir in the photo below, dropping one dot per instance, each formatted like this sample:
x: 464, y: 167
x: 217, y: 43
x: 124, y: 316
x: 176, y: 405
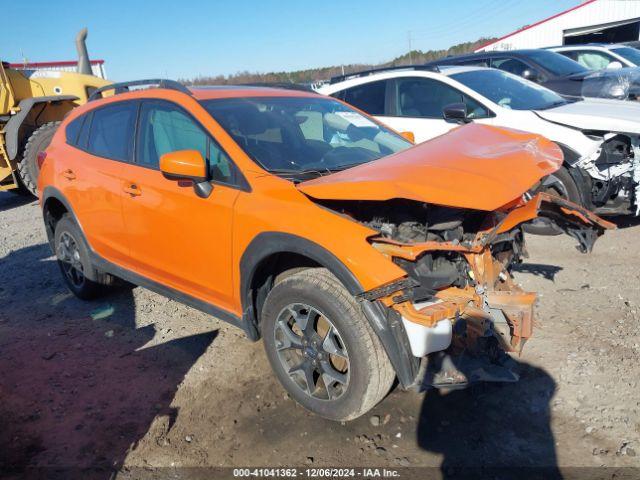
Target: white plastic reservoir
x: 425, y: 340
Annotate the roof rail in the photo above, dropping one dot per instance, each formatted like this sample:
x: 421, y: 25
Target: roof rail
x: 283, y: 85
x: 364, y: 73
x: 122, y: 87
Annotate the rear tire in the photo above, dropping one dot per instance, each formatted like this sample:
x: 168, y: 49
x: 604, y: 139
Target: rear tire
x: 352, y: 372
x: 28, y: 169
x: 82, y: 278
x: 561, y: 184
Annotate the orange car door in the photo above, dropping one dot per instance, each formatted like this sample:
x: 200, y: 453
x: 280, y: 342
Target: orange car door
x: 177, y: 238
x: 92, y: 177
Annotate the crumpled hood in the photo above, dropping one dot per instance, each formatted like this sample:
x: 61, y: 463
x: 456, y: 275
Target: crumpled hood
x: 475, y: 166
x: 597, y: 114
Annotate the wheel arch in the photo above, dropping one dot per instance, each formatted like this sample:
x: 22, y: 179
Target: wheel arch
x: 54, y: 206
x: 271, y: 253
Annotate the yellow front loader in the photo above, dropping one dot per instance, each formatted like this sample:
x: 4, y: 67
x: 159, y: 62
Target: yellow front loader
x: 32, y: 104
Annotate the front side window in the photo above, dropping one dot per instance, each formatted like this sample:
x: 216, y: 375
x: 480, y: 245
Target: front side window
x: 426, y: 98
x: 165, y: 127
x: 111, y: 131
x: 593, y: 60
x: 303, y: 135
x: 629, y: 53
x: 509, y: 91
x: 555, y: 63
x: 369, y: 97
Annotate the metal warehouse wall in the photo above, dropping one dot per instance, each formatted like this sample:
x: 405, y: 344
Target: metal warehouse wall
x: 551, y: 31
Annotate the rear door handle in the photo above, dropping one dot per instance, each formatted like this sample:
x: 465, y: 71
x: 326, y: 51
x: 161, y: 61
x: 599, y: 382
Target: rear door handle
x: 68, y: 174
x: 132, y: 189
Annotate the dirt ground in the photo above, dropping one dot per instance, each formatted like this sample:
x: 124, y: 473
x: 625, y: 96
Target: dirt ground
x: 135, y: 381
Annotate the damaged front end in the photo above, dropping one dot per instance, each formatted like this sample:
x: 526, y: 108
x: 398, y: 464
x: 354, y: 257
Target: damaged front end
x: 614, y: 173
x: 459, y: 295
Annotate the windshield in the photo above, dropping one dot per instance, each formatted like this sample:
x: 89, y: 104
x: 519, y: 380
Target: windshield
x: 556, y: 63
x: 302, y: 135
x: 631, y: 54
x: 509, y: 91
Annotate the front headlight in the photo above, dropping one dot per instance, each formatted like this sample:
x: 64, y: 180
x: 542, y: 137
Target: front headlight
x: 618, y: 92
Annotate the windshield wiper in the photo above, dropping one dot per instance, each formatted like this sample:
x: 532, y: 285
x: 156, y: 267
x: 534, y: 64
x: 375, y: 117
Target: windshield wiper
x: 311, y: 171
x: 296, y: 175
x: 555, y: 104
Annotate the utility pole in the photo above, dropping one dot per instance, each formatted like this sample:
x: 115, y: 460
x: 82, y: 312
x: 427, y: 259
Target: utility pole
x: 409, y: 40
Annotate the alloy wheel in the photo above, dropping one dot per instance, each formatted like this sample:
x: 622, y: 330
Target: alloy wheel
x: 312, y: 352
x: 68, y: 254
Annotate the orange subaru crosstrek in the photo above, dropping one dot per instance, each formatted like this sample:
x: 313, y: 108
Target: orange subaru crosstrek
x: 357, y: 256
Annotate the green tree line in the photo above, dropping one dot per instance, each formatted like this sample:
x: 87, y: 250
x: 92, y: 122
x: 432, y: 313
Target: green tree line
x: 313, y: 75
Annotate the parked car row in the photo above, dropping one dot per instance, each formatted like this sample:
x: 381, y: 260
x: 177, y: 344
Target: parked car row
x: 355, y: 254
x: 557, y: 72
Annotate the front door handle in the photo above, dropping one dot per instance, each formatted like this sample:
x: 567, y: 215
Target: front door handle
x: 68, y: 174
x: 132, y: 189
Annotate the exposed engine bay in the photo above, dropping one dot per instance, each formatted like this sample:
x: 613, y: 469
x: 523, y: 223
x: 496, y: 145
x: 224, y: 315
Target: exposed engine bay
x: 614, y: 172
x: 459, y: 294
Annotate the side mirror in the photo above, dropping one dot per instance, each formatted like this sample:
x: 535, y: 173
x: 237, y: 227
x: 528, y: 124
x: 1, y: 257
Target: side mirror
x: 530, y: 75
x: 456, y: 113
x: 615, y: 65
x: 187, y: 165
x: 409, y: 136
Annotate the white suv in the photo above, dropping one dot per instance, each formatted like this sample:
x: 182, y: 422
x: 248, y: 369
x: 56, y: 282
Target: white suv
x: 596, y: 57
x: 600, y: 138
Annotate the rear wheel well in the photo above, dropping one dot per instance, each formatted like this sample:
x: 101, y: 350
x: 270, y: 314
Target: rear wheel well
x: 53, y: 211
x: 270, y: 271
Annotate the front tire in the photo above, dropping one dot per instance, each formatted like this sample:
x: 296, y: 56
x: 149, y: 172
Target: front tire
x: 561, y: 184
x: 322, y: 348
x: 28, y: 169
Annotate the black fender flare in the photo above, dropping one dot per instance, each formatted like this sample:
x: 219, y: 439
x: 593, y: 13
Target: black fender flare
x: 48, y: 193
x: 266, y: 244
x: 12, y: 127
x: 390, y: 331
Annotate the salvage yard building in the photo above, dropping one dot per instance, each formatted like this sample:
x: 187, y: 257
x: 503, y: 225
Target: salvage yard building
x: 593, y: 21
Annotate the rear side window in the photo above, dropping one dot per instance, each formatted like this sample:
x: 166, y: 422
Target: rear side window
x: 476, y: 62
x: 369, y: 97
x: 83, y: 137
x: 510, y: 65
x: 426, y: 98
x: 111, y: 132
x: 73, y: 130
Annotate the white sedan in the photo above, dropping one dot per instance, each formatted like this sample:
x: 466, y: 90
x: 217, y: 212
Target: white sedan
x: 600, y: 138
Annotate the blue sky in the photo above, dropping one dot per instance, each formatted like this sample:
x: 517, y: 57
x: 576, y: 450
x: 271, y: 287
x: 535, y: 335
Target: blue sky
x: 176, y: 39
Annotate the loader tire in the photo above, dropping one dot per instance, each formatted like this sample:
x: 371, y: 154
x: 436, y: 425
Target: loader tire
x: 28, y: 169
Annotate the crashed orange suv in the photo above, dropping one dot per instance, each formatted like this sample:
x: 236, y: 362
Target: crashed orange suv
x: 355, y: 255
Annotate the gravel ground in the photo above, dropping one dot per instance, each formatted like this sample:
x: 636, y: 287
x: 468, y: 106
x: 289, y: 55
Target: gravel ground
x: 135, y: 381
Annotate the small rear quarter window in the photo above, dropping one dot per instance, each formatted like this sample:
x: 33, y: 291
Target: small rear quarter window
x: 73, y: 130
